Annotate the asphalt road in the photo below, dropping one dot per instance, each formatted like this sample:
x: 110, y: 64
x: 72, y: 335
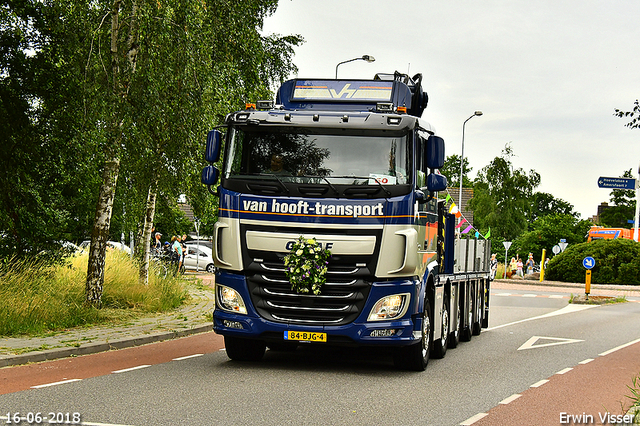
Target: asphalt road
x: 532, y: 336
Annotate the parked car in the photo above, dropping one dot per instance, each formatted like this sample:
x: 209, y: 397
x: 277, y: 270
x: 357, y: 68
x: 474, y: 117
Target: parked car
x: 199, y: 257
x: 84, y: 246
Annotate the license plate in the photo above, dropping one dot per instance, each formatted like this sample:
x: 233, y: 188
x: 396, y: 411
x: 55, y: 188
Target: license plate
x: 305, y: 336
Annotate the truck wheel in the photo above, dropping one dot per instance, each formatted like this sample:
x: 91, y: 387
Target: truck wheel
x: 416, y: 357
x: 477, y: 323
x: 239, y: 349
x: 454, y: 337
x: 467, y: 304
x: 440, y: 345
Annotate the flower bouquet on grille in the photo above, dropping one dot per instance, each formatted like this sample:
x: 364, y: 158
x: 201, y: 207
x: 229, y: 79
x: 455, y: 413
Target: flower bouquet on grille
x: 306, y: 266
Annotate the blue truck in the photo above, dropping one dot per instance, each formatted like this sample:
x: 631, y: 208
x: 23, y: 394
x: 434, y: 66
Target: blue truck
x: 351, y: 166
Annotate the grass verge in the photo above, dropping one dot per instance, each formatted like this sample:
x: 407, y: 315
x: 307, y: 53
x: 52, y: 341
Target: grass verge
x: 38, y: 298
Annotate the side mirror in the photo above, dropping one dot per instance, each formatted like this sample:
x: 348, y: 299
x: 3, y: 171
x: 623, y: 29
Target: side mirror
x: 436, y: 182
x: 434, y: 155
x: 214, y: 145
x: 210, y: 175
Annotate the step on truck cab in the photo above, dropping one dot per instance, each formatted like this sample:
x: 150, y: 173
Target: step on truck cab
x: 352, y: 165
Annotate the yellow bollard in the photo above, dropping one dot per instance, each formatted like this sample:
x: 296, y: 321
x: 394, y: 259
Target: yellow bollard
x: 587, y: 285
x: 544, y: 254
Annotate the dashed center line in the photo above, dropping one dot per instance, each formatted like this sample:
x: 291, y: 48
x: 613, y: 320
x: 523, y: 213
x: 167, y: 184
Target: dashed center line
x: 62, y: 382
x: 510, y: 399
x: 540, y: 383
x: 130, y: 369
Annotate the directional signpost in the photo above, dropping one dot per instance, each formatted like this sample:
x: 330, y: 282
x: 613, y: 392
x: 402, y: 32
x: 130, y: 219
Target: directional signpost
x: 624, y: 184
x: 588, y: 262
x: 616, y: 183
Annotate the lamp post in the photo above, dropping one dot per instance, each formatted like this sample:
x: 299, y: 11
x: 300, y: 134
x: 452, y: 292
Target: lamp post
x: 367, y: 58
x: 477, y: 113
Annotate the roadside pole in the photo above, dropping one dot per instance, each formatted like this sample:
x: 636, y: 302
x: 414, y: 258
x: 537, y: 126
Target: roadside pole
x: 544, y: 255
x: 635, y: 224
x: 506, y: 245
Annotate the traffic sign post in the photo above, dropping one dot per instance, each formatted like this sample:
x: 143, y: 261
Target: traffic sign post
x: 588, y: 262
x: 506, y: 245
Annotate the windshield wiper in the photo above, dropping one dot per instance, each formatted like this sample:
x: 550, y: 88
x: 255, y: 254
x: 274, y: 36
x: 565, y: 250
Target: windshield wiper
x: 276, y: 178
x: 366, y: 177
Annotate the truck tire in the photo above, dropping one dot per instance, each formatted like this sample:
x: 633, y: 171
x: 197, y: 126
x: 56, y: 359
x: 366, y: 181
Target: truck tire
x: 478, y: 310
x: 416, y: 357
x: 466, y: 305
x: 239, y: 349
x: 454, y: 337
x: 440, y: 346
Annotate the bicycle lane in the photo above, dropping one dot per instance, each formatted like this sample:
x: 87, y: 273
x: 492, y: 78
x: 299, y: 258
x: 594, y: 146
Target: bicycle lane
x: 595, y: 391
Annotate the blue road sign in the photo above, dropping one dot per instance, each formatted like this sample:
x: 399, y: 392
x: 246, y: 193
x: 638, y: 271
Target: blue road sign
x: 616, y: 183
x: 588, y: 262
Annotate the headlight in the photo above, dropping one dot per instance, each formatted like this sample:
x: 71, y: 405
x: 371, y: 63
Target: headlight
x: 390, y: 307
x: 230, y: 300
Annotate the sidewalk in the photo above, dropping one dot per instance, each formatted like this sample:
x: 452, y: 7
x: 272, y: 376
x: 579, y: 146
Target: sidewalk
x: 192, y: 318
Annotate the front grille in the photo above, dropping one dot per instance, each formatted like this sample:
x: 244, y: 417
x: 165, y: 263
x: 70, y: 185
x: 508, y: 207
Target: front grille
x: 341, y: 300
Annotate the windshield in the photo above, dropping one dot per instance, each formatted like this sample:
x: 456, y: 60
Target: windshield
x: 298, y: 154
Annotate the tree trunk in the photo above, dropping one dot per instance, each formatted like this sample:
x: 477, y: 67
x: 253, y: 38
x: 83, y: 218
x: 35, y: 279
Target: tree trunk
x: 100, y: 233
x: 104, y: 207
x: 146, y: 232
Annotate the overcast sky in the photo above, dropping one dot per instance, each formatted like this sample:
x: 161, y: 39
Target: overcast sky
x: 547, y: 75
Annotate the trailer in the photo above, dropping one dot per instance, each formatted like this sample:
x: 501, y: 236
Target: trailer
x: 349, y: 170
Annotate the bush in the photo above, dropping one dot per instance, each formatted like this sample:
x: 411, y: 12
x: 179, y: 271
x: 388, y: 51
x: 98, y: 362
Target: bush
x: 37, y: 297
x: 617, y: 262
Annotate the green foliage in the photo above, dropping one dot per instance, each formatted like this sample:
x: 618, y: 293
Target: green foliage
x: 451, y: 170
x: 617, y: 262
x: 306, y: 266
x: 502, y: 197
x: 633, y: 115
x: 547, y: 231
x: 38, y: 297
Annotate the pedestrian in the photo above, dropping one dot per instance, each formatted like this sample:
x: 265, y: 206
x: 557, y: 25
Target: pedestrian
x: 513, y: 266
x: 183, y: 243
x: 494, y: 266
x: 177, y: 249
x: 157, y: 246
x: 519, y: 265
x: 530, y: 264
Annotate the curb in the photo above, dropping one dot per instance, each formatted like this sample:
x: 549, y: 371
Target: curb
x: 92, y: 348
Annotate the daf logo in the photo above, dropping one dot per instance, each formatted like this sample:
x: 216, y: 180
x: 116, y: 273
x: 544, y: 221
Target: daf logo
x: 326, y: 246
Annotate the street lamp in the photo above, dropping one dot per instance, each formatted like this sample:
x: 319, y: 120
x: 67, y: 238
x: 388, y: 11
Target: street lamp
x: 367, y: 58
x: 478, y: 113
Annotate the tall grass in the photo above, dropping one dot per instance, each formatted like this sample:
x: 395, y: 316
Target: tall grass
x: 36, y: 298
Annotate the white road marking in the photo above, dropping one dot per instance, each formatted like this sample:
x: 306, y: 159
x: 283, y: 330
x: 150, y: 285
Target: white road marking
x: 472, y: 420
x: 131, y: 369
x: 556, y: 296
x: 538, y: 384
x: 187, y: 357
x: 510, y: 399
x: 566, y: 310
x: 529, y: 295
x: 619, y: 347
x: 531, y: 343
x: 566, y: 370
x: 586, y: 361
x: 502, y: 294
x: 55, y: 383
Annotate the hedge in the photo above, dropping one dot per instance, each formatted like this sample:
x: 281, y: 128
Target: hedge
x: 617, y: 262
